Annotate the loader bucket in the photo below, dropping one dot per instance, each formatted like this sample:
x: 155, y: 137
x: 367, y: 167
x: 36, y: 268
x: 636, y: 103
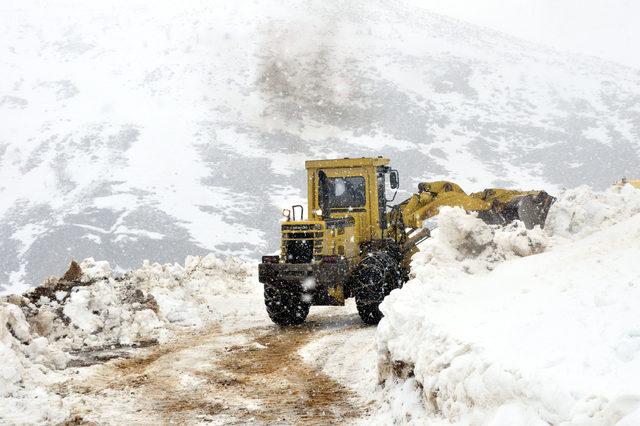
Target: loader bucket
x: 533, y: 209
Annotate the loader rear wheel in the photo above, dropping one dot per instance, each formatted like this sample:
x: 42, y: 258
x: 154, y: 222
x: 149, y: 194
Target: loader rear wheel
x: 377, y: 274
x: 285, y: 307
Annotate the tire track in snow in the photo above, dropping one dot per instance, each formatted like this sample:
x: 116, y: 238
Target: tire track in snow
x: 254, y: 376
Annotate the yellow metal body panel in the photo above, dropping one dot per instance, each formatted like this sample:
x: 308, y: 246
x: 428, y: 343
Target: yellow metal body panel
x: 367, y: 218
x: 633, y: 182
x: 337, y: 292
x: 434, y: 195
x: 346, y: 163
x: 500, y: 195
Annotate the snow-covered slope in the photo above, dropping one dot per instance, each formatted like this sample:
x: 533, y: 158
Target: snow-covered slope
x: 135, y: 130
x: 487, y: 336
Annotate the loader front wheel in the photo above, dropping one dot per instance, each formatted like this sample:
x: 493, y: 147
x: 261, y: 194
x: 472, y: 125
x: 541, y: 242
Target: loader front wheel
x: 369, y: 312
x: 285, y: 307
x: 377, y: 274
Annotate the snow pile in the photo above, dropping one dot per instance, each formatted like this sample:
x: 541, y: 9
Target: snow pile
x: 579, y: 212
x: 463, y: 242
x: 186, y: 295
x: 98, y: 309
x: 25, y: 359
x: 498, y: 338
x: 89, y: 309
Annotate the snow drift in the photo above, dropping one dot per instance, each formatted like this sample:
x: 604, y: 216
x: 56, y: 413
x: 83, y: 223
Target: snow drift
x: 487, y: 334
x: 65, y: 321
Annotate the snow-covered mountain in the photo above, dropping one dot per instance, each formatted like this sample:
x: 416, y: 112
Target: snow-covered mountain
x: 135, y: 130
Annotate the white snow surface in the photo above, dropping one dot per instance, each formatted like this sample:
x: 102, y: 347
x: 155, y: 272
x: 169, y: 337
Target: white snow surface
x: 37, y: 340
x: 491, y: 330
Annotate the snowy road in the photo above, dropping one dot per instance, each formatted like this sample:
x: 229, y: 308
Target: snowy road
x: 257, y: 375
x: 211, y: 355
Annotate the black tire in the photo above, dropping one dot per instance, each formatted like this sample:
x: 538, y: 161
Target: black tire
x: 377, y: 274
x: 285, y: 307
x: 369, y: 313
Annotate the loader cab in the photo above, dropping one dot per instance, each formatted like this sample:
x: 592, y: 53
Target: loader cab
x: 350, y: 189
x: 341, y: 192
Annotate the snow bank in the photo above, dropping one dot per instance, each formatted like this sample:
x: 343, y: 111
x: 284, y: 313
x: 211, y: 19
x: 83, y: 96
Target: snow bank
x: 90, y: 309
x: 98, y: 309
x: 484, y: 334
x: 580, y: 212
x: 25, y: 359
x: 464, y: 243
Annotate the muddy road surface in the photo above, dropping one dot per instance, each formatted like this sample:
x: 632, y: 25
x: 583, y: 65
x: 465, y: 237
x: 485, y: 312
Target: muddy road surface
x: 250, y: 376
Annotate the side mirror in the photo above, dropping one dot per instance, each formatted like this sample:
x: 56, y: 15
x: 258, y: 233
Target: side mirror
x: 394, y: 179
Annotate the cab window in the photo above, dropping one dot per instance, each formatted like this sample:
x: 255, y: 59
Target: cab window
x: 346, y: 192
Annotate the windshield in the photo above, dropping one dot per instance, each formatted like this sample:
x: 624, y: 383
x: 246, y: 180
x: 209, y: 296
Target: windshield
x: 346, y: 192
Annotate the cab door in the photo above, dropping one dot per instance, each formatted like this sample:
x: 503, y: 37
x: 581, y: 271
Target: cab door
x: 348, y: 192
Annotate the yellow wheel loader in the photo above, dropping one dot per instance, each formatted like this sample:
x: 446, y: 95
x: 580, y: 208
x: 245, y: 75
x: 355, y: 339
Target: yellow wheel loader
x: 354, y: 243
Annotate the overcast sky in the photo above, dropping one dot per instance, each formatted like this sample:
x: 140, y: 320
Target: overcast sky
x: 609, y: 29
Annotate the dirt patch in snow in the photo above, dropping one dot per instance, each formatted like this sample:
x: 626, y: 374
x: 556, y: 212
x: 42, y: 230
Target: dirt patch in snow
x: 295, y: 388
x: 249, y: 376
